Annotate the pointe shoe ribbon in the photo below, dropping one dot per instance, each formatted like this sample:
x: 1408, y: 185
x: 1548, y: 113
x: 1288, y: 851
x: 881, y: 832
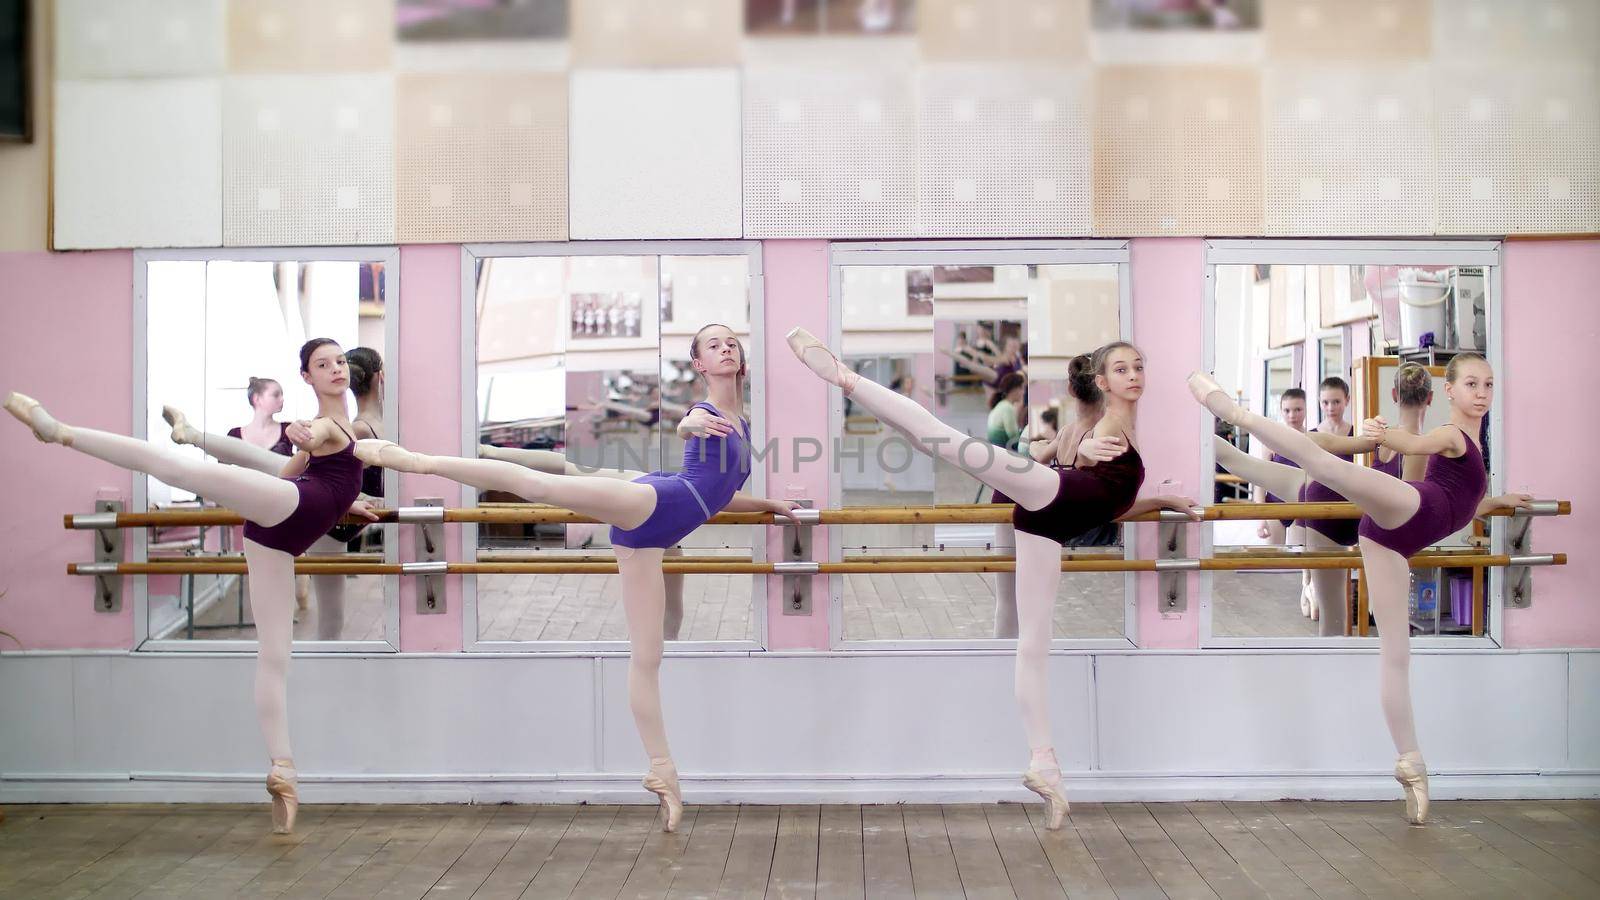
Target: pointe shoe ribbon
x: 283, y: 790
x: 665, y: 787
x: 1055, y: 799
x: 1412, y: 773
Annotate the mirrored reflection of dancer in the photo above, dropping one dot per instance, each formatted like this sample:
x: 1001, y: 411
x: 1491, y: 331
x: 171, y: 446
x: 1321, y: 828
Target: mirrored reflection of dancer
x: 647, y: 515
x: 1399, y: 519
x: 284, y: 515
x: 1053, y: 506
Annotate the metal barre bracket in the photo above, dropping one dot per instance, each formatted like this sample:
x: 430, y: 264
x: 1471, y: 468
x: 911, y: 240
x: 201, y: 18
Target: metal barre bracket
x: 798, y: 564
x: 1172, y: 564
x: 1519, y: 576
x: 430, y: 566
x: 107, y: 549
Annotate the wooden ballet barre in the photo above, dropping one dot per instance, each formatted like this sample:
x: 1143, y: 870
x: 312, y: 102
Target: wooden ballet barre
x: 966, y: 514
x: 847, y: 567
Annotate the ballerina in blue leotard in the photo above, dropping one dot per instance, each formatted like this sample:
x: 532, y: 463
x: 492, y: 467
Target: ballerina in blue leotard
x: 648, y: 514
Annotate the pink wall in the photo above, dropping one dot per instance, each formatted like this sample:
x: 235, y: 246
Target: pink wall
x: 1551, y: 323
x: 67, y: 321
x: 1168, y: 282
x: 797, y: 407
x: 430, y: 421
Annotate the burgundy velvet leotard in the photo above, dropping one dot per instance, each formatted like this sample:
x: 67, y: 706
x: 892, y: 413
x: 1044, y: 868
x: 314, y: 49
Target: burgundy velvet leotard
x: 1086, y: 498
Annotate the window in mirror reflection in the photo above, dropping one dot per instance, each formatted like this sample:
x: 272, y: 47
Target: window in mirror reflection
x: 223, y: 351
x: 1319, y: 346
x: 986, y: 349
x: 601, y: 394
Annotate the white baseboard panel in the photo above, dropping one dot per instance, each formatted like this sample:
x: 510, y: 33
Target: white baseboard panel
x: 1088, y: 787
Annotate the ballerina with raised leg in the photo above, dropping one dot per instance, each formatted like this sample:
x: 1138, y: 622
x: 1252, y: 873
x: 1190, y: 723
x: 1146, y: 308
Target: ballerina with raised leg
x: 648, y: 514
x: 1052, y: 506
x: 1399, y: 519
x: 283, y: 516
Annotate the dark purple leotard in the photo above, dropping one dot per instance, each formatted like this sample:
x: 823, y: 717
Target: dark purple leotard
x: 282, y: 447
x: 327, y: 487
x: 713, y: 469
x: 1449, y: 494
x: 1086, y: 498
x: 1340, y: 531
x: 372, y: 486
x: 1392, y: 467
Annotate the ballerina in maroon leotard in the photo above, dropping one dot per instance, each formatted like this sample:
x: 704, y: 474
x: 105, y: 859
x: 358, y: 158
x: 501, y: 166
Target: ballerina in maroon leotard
x: 283, y: 516
x: 1399, y: 518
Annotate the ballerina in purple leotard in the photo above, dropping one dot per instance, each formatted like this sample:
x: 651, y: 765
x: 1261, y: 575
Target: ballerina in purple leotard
x: 283, y: 517
x: 648, y: 514
x: 1399, y: 519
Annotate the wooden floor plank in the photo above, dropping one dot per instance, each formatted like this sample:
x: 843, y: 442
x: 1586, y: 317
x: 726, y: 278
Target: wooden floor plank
x: 794, y: 856
x: 1027, y: 867
x: 652, y: 873
x: 1467, y: 862
x: 885, y: 853
x: 618, y: 852
x: 1474, y: 819
x: 1224, y: 874
x: 1267, y: 868
x: 1354, y: 865
x: 473, y: 867
x: 1166, y: 863
x: 414, y: 831
x: 1551, y: 831
x: 983, y: 872
x: 336, y: 867
x: 933, y: 862
x: 840, y: 867
x: 1071, y: 860
x: 572, y: 854
x: 173, y: 839
x: 703, y: 863
x: 749, y: 868
x: 1418, y: 877
x: 1123, y: 869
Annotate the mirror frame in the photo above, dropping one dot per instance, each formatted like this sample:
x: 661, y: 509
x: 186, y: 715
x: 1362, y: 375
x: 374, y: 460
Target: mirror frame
x: 1359, y: 252
x: 136, y: 540
x: 470, y: 255
x: 977, y: 253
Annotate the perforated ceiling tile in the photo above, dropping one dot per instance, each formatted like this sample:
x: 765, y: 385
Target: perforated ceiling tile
x: 1321, y: 31
x: 138, y: 163
x: 121, y: 38
x: 1533, y: 30
x: 1177, y: 150
x: 310, y: 35
x: 308, y: 159
x: 654, y: 154
x: 1003, y: 151
x: 481, y: 157
x: 829, y: 153
x: 1054, y: 31
x: 1519, y: 149
x: 654, y: 33
x: 1349, y: 150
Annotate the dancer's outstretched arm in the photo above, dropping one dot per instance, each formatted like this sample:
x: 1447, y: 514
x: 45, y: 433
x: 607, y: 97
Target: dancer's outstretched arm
x: 1167, y: 501
x: 743, y: 502
x: 1342, y: 446
x: 1504, y: 501
x: 1446, y: 439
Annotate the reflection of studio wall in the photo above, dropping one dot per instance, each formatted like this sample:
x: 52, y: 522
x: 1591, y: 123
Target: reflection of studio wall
x: 195, y: 128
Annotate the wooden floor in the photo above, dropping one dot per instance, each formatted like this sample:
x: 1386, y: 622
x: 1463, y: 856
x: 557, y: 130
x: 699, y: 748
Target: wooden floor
x: 1285, y: 849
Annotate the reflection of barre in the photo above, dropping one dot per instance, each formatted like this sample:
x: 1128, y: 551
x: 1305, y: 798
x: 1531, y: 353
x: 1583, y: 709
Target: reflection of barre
x: 848, y: 567
x: 968, y: 514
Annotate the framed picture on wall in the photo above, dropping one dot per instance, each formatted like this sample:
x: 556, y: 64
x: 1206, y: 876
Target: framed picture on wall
x: 1342, y: 298
x: 16, y: 69
x: 1286, y: 306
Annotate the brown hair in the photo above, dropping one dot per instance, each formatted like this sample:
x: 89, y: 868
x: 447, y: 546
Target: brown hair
x: 1098, y: 358
x: 1080, y: 380
x: 1453, y: 368
x: 256, y: 388
x: 694, y: 347
x: 1412, y: 384
x: 1336, y: 383
x: 1007, y: 383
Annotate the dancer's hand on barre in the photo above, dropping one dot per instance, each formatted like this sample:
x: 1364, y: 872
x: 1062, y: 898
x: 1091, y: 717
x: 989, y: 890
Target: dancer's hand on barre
x: 784, y: 508
x: 1504, y: 501
x: 363, y: 509
x: 1093, y: 449
x: 1264, y: 530
x: 703, y: 423
x: 1167, y: 501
